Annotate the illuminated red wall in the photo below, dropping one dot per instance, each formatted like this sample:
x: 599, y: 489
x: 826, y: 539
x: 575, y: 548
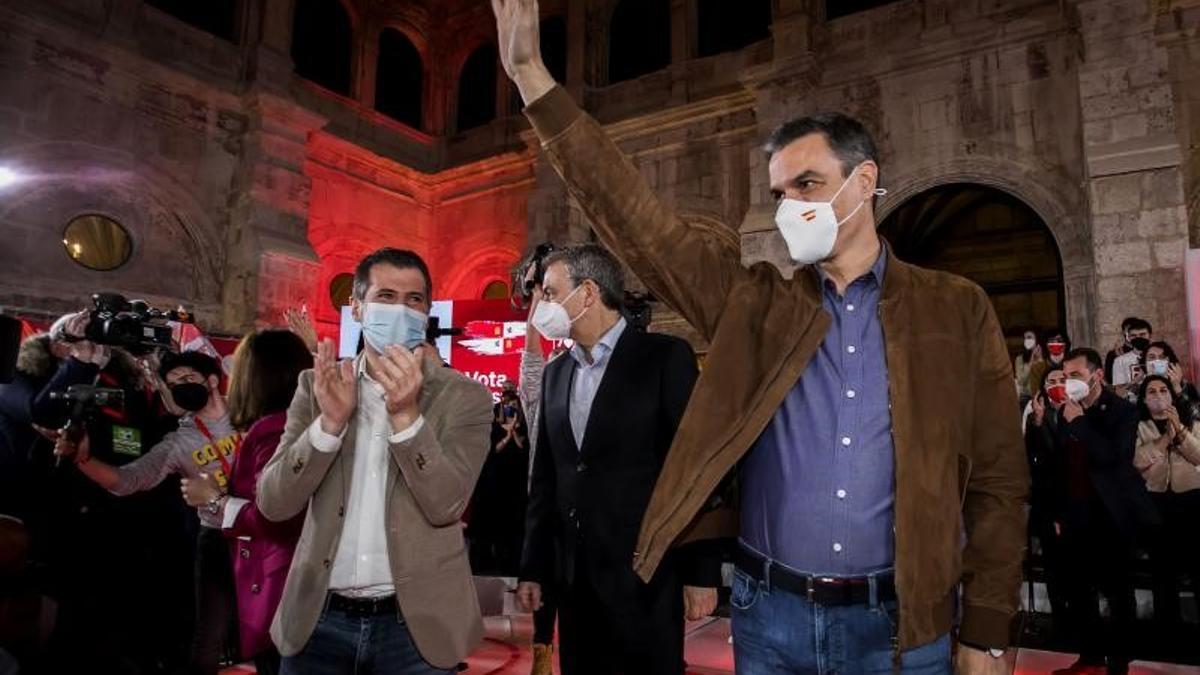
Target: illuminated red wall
x: 468, y: 223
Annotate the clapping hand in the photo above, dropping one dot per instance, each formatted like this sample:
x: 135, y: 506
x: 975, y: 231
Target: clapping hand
x: 200, y: 491
x: 399, y: 373
x: 335, y: 387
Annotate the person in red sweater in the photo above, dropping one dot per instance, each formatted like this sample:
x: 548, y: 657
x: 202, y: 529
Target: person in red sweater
x: 267, y: 365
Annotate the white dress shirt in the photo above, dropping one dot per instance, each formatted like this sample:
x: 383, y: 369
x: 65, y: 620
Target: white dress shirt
x: 360, y: 566
x: 588, y: 376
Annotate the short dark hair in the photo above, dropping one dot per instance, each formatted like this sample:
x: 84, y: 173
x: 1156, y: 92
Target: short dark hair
x: 1138, y: 324
x: 266, y: 368
x: 396, y: 257
x: 847, y: 137
x: 1125, y: 322
x: 589, y: 261
x: 1094, y: 361
x: 1167, y: 351
x: 201, y: 363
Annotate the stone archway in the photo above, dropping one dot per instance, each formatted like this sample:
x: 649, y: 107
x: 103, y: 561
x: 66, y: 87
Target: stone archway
x: 991, y: 237
x: 1057, y: 201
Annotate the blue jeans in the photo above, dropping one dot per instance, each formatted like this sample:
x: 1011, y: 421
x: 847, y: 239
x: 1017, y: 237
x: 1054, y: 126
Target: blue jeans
x: 776, y: 631
x: 343, y: 643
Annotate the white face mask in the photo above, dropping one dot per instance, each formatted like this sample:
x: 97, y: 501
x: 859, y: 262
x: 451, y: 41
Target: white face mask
x: 551, y: 318
x: 1077, y: 390
x: 1030, y: 343
x: 1158, y: 366
x: 1158, y: 404
x: 810, y: 228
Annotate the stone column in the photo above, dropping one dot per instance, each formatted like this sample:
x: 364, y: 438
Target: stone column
x: 1178, y: 30
x: 270, y: 264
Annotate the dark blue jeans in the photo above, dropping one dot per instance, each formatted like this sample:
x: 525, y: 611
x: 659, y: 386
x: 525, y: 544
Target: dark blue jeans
x: 776, y: 631
x: 368, y: 645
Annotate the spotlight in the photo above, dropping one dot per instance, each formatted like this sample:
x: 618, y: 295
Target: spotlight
x: 8, y: 177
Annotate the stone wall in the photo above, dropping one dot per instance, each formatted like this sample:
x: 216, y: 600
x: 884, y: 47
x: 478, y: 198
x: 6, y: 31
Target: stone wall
x: 1137, y: 207
x: 247, y: 189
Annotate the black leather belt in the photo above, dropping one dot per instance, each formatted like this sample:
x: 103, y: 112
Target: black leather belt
x: 828, y: 591
x: 363, y: 606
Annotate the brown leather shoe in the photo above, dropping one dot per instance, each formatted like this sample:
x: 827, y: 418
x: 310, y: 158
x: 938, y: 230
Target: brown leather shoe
x: 543, y: 660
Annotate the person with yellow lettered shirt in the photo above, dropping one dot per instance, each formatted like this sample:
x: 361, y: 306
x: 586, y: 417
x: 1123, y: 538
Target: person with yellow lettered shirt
x: 203, y: 446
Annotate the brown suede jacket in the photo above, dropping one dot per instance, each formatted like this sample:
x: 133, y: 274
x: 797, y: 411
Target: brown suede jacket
x: 959, y: 455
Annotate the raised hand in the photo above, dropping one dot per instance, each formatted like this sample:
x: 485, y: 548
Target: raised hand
x: 335, y: 387
x: 301, y: 324
x: 1038, y: 410
x: 520, y: 47
x: 1175, y: 375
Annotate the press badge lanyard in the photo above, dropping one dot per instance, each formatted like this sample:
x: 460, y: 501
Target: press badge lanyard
x: 203, y: 428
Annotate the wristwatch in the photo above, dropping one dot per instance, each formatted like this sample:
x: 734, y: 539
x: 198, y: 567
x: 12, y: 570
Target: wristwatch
x: 990, y: 651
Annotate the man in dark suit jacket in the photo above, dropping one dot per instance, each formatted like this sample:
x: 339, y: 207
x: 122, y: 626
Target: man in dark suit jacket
x: 609, y: 413
x: 1103, y: 511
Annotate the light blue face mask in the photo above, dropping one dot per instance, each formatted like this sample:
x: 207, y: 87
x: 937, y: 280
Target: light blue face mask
x: 385, y: 325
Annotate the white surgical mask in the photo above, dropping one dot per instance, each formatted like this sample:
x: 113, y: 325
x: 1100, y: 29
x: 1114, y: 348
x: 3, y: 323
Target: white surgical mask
x: 551, y: 318
x: 1077, y: 390
x: 1030, y: 343
x: 1158, y: 366
x: 385, y: 325
x: 810, y: 228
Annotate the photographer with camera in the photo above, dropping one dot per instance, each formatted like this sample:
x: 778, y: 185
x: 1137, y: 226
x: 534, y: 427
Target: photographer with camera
x: 205, y: 444
x: 134, y: 605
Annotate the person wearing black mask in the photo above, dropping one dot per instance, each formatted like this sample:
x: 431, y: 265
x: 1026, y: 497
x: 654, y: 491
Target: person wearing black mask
x: 1121, y: 348
x: 1168, y: 455
x: 1127, y: 369
x: 1104, y: 512
x: 205, y: 444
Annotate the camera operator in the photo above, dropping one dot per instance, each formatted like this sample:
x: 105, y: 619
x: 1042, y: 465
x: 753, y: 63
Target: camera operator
x: 205, y: 444
x: 133, y: 606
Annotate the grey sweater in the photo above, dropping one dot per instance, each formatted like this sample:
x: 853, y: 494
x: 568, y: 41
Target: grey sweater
x: 185, y: 452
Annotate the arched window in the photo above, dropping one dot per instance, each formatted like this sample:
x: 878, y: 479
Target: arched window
x: 398, y: 79
x: 323, y: 44
x: 477, y: 89
x: 639, y: 39
x: 218, y: 17
x: 723, y: 26
x: 496, y: 290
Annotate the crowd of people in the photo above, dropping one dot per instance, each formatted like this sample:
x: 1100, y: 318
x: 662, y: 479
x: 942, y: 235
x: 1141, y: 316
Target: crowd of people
x: 1113, y: 447
x: 852, y: 452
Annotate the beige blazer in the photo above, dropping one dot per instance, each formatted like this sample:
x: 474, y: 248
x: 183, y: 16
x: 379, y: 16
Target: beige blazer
x: 1178, y: 473
x: 430, y: 480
